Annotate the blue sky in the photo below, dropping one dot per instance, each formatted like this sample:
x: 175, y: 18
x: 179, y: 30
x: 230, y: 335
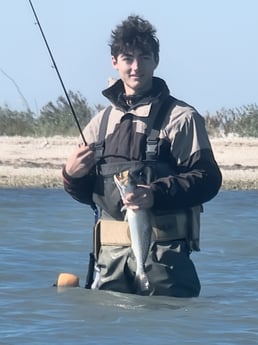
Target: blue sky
x: 208, y: 57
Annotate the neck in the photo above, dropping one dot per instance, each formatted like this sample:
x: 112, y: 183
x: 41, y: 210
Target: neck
x: 134, y: 99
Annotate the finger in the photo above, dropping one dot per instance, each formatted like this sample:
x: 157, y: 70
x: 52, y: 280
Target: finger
x: 134, y: 207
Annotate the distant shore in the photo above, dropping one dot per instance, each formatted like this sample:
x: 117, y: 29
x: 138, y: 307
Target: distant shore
x: 37, y: 162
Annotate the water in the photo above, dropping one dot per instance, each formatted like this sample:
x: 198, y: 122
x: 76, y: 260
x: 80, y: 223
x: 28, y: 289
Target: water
x: 44, y: 232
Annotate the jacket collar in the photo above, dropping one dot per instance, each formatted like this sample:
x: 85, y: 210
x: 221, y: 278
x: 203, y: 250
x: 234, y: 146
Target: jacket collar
x: 115, y: 93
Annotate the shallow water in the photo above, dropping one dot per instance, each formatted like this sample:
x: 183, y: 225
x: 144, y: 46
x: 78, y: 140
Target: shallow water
x: 44, y: 232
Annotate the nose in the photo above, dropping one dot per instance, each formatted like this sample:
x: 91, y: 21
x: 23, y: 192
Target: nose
x: 136, y: 63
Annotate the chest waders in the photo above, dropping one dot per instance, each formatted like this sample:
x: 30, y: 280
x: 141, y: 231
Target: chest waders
x: 112, y: 230
x: 157, y: 115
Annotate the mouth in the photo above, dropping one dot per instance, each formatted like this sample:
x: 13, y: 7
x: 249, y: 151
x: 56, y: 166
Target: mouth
x: 136, y: 76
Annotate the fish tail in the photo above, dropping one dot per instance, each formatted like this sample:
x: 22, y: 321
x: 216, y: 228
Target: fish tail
x: 142, y: 285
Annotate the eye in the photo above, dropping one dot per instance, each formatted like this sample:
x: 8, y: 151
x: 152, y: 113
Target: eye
x: 146, y: 57
x: 127, y: 58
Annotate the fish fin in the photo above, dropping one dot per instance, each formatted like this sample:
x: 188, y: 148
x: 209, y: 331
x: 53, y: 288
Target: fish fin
x: 124, y: 208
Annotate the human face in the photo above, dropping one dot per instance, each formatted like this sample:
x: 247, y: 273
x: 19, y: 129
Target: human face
x: 136, y: 70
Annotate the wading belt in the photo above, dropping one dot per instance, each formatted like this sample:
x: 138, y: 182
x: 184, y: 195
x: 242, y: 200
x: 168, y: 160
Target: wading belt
x: 167, y: 227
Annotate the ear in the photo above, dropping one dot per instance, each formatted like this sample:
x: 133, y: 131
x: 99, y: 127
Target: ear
x: 114, y: 62
x: 157, y: 62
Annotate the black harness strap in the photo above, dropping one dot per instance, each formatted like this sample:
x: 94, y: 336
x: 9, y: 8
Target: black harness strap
x: 153, y: 137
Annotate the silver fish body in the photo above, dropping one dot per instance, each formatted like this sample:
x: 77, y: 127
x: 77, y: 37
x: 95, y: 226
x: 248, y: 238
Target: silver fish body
x: 140, y: 233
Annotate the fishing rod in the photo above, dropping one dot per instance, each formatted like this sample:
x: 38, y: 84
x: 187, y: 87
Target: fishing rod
x: 91, y: 266
x: 57, y: 71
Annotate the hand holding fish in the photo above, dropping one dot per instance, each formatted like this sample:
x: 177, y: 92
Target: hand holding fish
x: 140, y: 198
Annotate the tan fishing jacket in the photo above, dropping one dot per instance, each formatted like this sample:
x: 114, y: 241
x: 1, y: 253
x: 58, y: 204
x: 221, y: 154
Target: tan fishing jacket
x: 192, y: 175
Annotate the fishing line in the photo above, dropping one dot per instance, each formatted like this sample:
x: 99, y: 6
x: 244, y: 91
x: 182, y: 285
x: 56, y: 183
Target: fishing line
x: 57, y: 71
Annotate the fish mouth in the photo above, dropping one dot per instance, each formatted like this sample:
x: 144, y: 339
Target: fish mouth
x: 122, y: 177
x: 125, y: 179
x: 121, y: 180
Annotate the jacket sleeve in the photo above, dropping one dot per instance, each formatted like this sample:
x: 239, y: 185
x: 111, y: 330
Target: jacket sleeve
x: 198, y: 177
x: 79, y: 188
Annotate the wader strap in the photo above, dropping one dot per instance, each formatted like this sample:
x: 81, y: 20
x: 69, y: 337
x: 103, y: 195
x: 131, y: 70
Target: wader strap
x: 99, y: 146
x: 153, y: 137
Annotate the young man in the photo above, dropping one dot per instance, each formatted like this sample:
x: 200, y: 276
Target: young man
x: 174, y: 165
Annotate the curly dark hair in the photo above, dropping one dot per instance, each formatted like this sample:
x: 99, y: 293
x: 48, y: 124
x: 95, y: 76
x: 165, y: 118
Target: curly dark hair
x: 134, y: 33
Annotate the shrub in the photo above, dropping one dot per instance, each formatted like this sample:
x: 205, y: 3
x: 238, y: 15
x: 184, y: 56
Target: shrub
x: 16, y: 123
x: 241, y: 121
x: 58, y: 119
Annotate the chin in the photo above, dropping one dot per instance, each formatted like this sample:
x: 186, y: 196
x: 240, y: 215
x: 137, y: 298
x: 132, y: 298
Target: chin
x: 139, y: 86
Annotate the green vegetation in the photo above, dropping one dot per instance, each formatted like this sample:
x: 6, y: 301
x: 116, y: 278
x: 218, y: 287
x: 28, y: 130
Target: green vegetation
x: 57, y: 119
x: 242, y: 122
x: 53, y: 119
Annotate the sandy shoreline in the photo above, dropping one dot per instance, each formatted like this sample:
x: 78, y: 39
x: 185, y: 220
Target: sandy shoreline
x: 37, y: 162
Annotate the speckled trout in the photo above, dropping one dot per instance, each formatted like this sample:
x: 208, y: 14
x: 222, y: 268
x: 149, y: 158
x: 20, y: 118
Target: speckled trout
x: 140, y: 232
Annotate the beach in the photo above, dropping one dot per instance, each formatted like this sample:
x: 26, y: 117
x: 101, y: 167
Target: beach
x: 37, y: 162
